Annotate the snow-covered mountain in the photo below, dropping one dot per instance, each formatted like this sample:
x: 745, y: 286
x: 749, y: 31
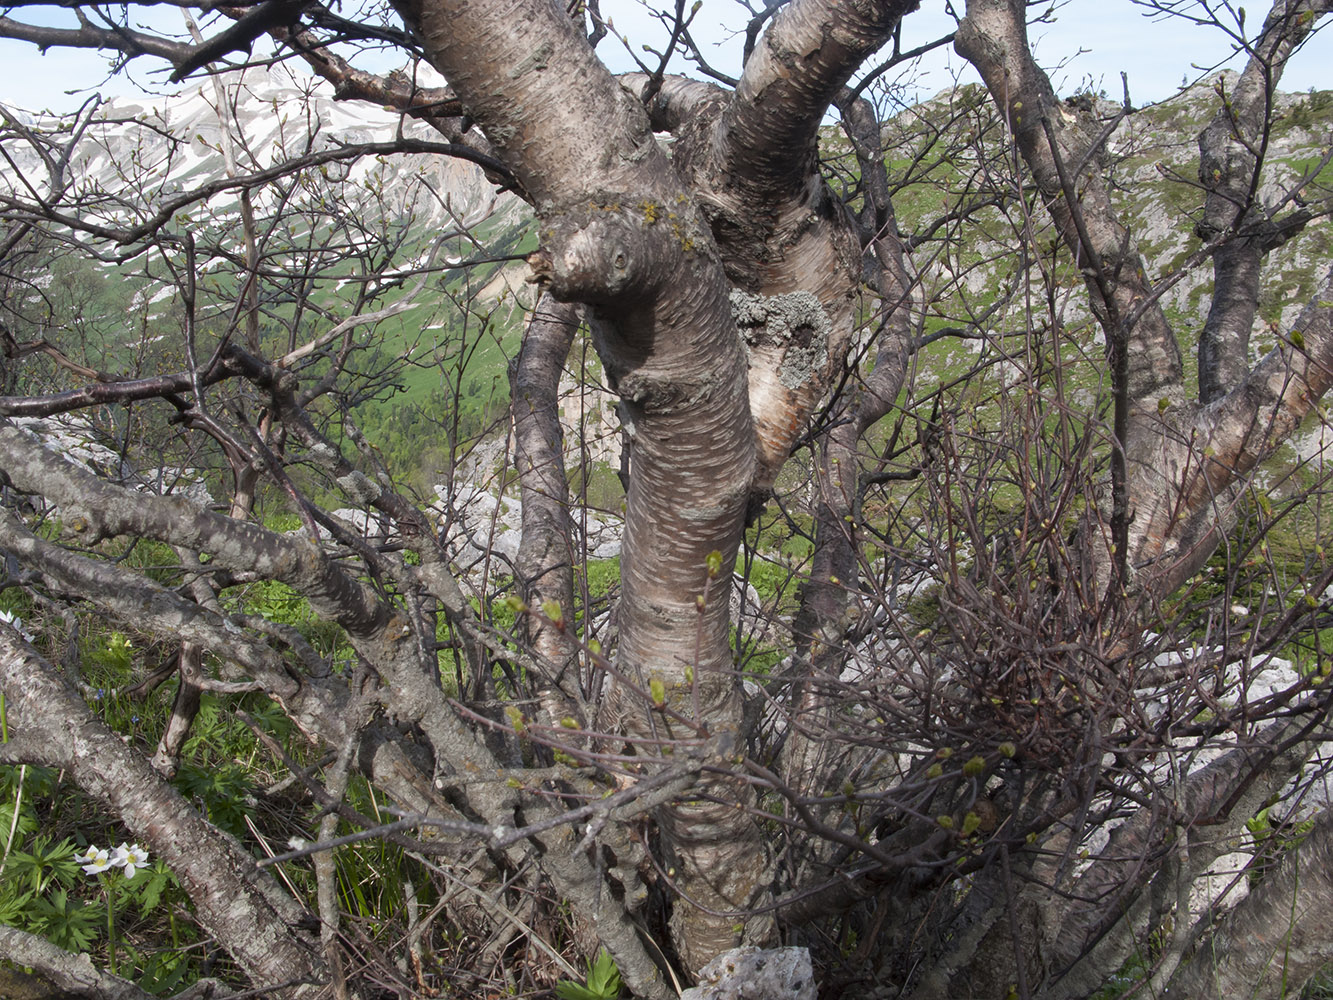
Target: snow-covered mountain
x: 137, y: 156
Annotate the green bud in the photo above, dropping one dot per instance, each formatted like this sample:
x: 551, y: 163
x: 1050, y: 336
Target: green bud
x: 515, y: 718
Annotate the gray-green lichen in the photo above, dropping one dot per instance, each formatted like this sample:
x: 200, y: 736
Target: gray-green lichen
x: 793, y: 321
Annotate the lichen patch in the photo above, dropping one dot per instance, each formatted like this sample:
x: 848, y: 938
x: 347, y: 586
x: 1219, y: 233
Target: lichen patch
x: 795, y: 322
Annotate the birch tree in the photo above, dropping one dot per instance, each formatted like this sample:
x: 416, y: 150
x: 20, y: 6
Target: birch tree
x: 934, y: 789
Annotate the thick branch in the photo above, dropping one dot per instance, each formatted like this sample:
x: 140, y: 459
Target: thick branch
x: 993, y: 37
x: 97, y: 509
x: 73, y: 975
x: 242, y: 907
x: 124, y: 40
x: 826, y: 594
x: 545, y: 560
x: 808, y: 53
x: 676, y: 100
x: 1276, y: 938
x: 1195, y: 461
x: 1105, y: 915
x: 1230, y: 151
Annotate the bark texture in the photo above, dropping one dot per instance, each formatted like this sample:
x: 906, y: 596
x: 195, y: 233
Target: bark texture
x: 620, y: 233
x: 1276, y: 938
x: 545, y: 561
x: 62, y: 974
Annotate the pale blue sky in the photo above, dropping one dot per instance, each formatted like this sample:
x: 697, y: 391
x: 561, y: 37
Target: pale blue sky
x: 1115, y: 35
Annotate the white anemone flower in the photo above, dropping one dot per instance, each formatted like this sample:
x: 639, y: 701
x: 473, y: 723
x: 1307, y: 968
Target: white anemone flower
x: 131, y: 858
x: 96, y: 860
x: 16, y: 623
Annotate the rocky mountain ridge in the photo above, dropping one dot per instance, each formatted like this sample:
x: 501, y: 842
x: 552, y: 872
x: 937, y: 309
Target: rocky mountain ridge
x: 138, y: 155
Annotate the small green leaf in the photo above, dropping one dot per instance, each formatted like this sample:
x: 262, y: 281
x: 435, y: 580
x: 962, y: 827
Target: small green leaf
x: 714, y: 563
x: 603, y: 981
x: 1258, y: 824
x: 515, y: 718
x: 603, y: 976
x: 658, y: 691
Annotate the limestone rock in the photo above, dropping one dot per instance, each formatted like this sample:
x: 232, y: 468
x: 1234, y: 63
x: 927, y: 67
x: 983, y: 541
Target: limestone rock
x: 750, y: 973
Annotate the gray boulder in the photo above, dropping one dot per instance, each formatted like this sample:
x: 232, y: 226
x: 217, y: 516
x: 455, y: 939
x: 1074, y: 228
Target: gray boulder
x: 751, y: 973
